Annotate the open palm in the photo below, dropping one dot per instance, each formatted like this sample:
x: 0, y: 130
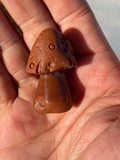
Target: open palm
x: 91, y: 129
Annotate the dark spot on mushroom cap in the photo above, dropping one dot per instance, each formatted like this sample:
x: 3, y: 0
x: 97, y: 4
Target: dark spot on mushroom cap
x: 32, y: 65
x: 52, y: 46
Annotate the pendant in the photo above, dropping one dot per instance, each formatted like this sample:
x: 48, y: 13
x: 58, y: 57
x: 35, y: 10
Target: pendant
x: 51, y: 54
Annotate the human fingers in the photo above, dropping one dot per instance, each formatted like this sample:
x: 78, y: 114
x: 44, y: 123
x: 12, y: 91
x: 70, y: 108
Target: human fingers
x: 31, y: 16
x: 14, y: 57
x: 14, y: 54
x: 80, y: 26
x: 78, y: 15
x: 8, y: 90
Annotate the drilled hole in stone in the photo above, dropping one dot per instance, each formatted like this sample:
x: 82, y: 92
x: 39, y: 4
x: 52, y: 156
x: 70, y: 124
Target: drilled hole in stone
x: 32, y: 65
x: 52, y: 46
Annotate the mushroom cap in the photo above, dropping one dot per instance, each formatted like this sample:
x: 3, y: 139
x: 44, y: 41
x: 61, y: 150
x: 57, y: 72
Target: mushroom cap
x: 50, y: 52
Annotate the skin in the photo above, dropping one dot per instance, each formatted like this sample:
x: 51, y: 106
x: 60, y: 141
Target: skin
x: 91, y: 129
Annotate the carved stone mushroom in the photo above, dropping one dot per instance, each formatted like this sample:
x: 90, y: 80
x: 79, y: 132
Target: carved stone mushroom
x: 51, y: 54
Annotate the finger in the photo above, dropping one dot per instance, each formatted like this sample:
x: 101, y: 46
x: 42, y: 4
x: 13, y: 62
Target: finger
x: 81, y: 27
x: 8, y: 90
x: 14, y: 57
x: 78, y: 15
x: 31, y: 16
x: 14, y: 54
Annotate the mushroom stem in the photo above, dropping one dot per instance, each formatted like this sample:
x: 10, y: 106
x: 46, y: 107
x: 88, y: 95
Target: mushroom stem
x: 53, y: 95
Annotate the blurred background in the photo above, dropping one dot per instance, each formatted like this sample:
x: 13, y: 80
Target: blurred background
x: 107, y: 13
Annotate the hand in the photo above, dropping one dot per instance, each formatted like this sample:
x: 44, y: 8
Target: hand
x: 91, y: 129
